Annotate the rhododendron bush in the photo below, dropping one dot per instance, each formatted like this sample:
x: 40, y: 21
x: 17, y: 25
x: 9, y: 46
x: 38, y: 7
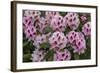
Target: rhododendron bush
x: 56, y: 36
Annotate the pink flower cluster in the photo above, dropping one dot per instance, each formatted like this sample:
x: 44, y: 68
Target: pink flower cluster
x: 72, y: 20
x: 50, y: 14
x: 39, y: 40
x: 31, y: 13
x: 86, y: 29
x: 62, y: 55
x: 57, y: 23
x: 42, y: 24
x: 32, y: 22
x: 57, y: 40
x: 29, y: 29
x: 38, y: 55
x: 77, y: 41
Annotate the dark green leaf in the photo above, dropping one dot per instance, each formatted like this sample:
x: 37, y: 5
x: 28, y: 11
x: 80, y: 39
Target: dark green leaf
x: 49, y: 55
x: 67, y: 30
x: 25, y: 43
x: 27, y: 58
x: 45, y: 45
x: 48, y: 29
x: 79, y: 29
x: 69, y: 47
x: 76, y: 56
x: 28, y: 47
x: 86, y: 55
x: 63, y: 13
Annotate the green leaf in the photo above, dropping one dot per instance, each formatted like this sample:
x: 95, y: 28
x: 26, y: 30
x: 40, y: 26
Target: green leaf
x: 25, y: 43
x: 76, y: 56
x: 48, y: 29
x: 27, y: 58
x: 88, y: 42
x: 63, y: 13
x: 79, y: 27
x: 86, y: 55
x: 45, y: 45
x: 69, y: 47
x: 28, y: 47
x: 88, y: 17
x: 49, y: 55
x: 67, y: 30
x: 62, y: 50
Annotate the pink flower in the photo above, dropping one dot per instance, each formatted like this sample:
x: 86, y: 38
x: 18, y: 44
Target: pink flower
x: 42, y: 24
x: 28, y: 28
x: 71, y: 36
x: 62, y: 55
x: 35, y: 16
x: 32, y: 13
x: 27, y: 21
x: 50, y: 14
x: 86, y: 29
x: 57, y: 40
x: 83, y: 18
x: 39, y: 40
x: 38, y: 55
x: 80, y: 46
x: 57, y: 23
x: 77, y: 41
x: 30, y: 20
x: 72, y: 20
x: 30, y: 32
